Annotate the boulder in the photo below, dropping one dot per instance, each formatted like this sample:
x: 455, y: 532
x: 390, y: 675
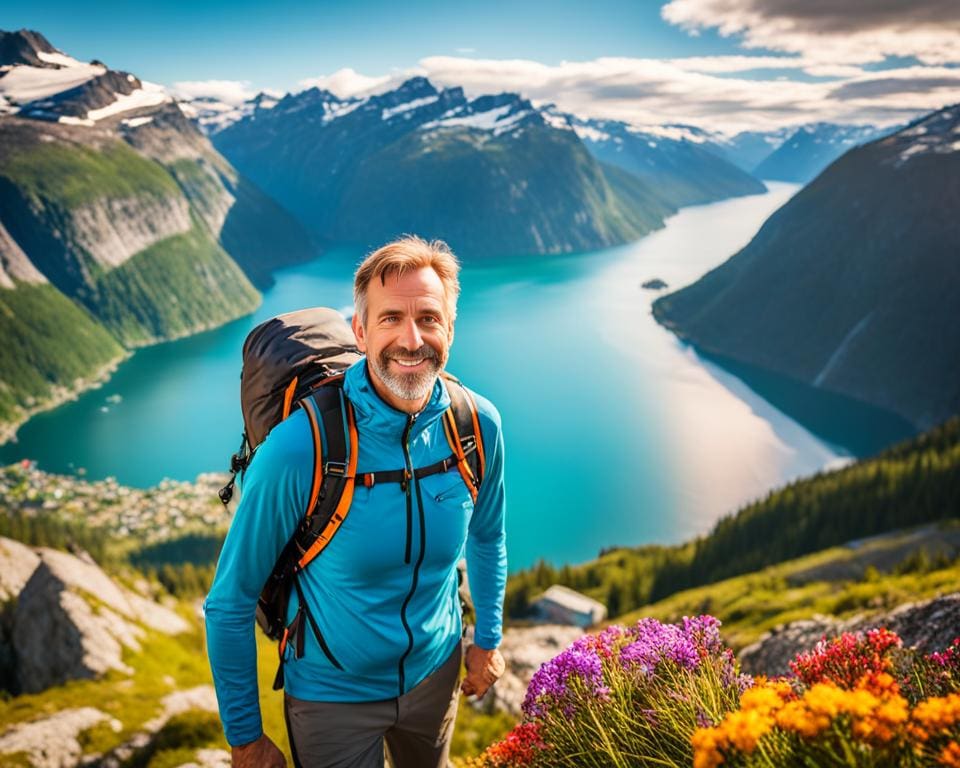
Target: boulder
x: 73, y: 621
x: 927, y: 626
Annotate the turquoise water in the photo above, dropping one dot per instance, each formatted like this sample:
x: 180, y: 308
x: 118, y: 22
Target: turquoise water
x: 616, y: 434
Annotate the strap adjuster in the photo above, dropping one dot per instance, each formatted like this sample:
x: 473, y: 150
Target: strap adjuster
x: 335, y: 468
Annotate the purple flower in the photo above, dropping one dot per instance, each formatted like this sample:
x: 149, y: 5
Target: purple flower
x: 655, y: 642
x: 551, y: 682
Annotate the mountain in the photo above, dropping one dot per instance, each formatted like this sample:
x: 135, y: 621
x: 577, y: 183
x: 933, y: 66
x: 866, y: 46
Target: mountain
x: 679, y: 162
x: 493, y: 175
x: 213, y: 115
x: 748, y: 149
x: 120, y: 224
x: 804, y: 154
x: 852, y: 285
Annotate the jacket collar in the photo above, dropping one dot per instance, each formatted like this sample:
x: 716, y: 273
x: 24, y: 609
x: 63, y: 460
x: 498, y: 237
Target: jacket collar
x: 373, y: 413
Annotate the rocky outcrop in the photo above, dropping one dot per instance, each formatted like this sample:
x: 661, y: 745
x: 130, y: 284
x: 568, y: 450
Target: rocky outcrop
x: 524, y: 651
x: 928, y: 626
x: 73, y: 621
x: 14, y: 264
x: 17, y: 564
x: 51, y: 742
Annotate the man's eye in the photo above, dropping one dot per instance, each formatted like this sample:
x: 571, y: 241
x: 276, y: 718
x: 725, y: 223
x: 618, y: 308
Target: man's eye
x: 431, y: 319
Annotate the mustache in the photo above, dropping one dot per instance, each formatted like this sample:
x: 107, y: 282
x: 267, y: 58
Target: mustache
x: 426, y: 352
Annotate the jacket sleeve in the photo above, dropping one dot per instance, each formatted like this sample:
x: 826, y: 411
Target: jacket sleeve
x: 275, y: 491
x: 486, y: 537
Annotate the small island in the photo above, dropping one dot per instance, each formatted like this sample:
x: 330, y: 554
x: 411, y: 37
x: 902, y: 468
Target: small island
x: 656, y: 284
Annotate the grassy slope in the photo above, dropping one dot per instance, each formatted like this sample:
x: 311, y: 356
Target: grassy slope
x: 47, y: 340
x: 71, y: 175
x: 177, y: 286
x: 879, y: 574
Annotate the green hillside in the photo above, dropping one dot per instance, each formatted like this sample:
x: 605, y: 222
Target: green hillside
x: 851, y: 286
x: 177, y: 286
x: 47, y: 338
x: 534, y: 192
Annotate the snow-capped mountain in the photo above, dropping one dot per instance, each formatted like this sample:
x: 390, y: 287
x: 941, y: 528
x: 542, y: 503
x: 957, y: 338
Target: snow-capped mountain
x: 213, y: 115
x: 493, y: 175
x: 811, y: 148
x: 40, y: 81
x: 111, y: 203
x: 683, y: 163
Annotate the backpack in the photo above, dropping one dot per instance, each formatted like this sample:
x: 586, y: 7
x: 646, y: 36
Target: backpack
x: 297, y: 360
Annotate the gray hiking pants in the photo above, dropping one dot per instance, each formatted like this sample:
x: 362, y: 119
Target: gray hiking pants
x: 417, y: 726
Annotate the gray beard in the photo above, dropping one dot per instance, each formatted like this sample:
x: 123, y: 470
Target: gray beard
x: 408, y: 386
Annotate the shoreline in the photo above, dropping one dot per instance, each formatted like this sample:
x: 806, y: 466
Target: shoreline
x: 61, y: 393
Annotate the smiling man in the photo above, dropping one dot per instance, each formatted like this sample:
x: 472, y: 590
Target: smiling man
x: 383, y: 661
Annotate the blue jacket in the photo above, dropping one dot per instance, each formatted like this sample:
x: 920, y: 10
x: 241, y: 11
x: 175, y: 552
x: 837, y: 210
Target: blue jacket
x: 384, y: 591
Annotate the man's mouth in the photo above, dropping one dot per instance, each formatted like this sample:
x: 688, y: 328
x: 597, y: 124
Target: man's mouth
x: 409, y: 363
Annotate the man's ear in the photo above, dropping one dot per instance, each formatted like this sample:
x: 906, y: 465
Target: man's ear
x: 358, y: 332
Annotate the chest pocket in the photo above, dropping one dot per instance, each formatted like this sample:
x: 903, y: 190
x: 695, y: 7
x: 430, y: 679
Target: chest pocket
x: 450, y: 491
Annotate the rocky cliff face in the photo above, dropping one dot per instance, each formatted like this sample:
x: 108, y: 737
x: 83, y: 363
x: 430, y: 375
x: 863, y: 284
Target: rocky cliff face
x: 141, y: 231
x: 70, y: 620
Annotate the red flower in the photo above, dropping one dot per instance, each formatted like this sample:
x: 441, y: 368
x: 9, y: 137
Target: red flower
x: 845, y: 659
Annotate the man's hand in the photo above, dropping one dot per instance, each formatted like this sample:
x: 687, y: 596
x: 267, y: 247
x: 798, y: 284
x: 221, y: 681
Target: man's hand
x: 484, y: 668
x: 261, y: 753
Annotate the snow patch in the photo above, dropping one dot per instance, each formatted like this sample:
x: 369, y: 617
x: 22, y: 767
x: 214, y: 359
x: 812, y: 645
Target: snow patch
x: 495, y: 120
x: 70, y: 120
x: 589, y: 133
x: 149, y: 96
x: 556, y: 121
x: 675, y: 132
x: 61, y: 59
x: 136, y: 122
x: 410, y: 105
x: 23, y: 83
x: 336, y: 111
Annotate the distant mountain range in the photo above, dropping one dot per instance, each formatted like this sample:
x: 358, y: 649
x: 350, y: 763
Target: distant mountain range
x: 120, y: 224
x: 852, y: 285
x: 805, y: 153
x: 493, y: 175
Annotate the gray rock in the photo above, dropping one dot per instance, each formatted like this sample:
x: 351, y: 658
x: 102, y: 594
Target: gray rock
x: 927, y: 626
x: 72, y: 621
x: 17, y: 564
x: 51, y: 742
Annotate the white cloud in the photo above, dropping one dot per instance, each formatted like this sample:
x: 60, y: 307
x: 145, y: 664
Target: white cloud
x: 233, y: 92
x: 653, y: 91
x: 348, y: 82
x: 842, y: 32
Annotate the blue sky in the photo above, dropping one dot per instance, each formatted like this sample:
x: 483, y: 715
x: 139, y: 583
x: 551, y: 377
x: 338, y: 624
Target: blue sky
x: 277, y: 44
x: 726, y: 64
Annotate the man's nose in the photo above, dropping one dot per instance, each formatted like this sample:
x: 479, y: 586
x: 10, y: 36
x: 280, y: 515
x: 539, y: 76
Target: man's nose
x: 410, y: 339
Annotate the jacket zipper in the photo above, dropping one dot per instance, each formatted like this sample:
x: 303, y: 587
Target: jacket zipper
x: 416, y: 568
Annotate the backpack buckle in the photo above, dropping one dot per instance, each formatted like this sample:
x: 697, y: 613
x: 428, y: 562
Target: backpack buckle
x: 338, y: 468
x: 469, y: 444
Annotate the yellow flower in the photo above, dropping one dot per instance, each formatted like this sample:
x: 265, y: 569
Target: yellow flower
x: 950, y: 756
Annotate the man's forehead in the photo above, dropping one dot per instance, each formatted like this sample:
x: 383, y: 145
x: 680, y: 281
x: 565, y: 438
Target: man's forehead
x: 421, y: 284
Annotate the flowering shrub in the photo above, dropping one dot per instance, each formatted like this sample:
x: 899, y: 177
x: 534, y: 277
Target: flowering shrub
x: 829, y: 716
x: 672, y: 695
x: 626, y: 696
x: 847, y: 658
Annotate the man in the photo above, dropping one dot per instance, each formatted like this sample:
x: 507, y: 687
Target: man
x: 384, y: 591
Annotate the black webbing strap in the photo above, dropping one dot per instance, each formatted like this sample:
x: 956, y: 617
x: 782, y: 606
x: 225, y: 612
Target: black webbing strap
x: 370, y: 479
